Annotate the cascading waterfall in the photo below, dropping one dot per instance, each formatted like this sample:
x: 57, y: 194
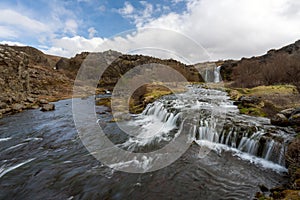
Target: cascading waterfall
x: 250, y: 138
x: 161, y: 120
x: 255, y: 143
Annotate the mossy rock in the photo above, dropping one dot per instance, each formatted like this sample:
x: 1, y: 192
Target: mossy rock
x: 252, y: 111
x: 103, y: 102
x: 291, y: 194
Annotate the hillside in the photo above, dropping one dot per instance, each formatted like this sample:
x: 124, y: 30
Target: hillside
x: 29, y: 78
x: 280, y: 66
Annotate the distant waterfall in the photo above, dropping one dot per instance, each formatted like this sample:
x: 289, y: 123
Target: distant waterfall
x: 212, y: 74
x: 217, y: 74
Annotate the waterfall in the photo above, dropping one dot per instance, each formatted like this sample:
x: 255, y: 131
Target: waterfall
x: 206, y: 75
x: 217, y: 74
x: 212, y: 74
x: 244, y: 133
x: 254, y: 143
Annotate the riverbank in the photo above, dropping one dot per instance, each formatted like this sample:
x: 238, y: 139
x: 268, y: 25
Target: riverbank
x: 281, y: 104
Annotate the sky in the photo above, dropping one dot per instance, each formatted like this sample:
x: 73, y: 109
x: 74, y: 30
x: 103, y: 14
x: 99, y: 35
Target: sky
x: 189, y: 30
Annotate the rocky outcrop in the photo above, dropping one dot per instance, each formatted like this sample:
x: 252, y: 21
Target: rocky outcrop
x: 26, y: 75
x: 116, y: 65
x: 287, y: 117
x: 126, y: 62
x: 248, y: 101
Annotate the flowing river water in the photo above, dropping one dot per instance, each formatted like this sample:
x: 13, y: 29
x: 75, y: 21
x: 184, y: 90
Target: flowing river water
x: 42, y: 156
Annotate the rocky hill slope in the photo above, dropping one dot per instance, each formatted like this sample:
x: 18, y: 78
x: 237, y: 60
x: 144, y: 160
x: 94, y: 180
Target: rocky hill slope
x: 276, y: 67
x: 29, y: 78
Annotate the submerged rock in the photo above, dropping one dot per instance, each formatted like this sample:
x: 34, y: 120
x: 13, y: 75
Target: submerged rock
x: 48, y: 107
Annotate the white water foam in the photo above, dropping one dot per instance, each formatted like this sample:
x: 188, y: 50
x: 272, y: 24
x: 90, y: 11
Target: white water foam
x: 219, y: 148
x: 15, y: 146
x: 4, y: 170
x: 33, y: 139
x: 5, y: 139
x: 144, y: 164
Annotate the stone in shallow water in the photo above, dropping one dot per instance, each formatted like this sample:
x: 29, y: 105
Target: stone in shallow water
x: 48, y: 107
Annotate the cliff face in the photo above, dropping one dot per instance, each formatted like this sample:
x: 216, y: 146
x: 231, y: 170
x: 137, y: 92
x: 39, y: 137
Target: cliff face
x: 276, y: 67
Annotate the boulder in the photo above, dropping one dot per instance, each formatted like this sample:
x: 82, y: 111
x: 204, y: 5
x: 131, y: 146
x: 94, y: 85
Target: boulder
x: 48, y: 107
x: 43, y: 101
x: 30, y: 99
x: 280, y: 120
x: 3, y: 105
x: 296, y: 111
x: 295, y: 119
x: 17, y: 107
x: 287, y: 112
x: 249, y: 100
x: 35, y: 106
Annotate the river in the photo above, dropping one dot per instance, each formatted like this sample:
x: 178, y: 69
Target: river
x: 42, y: 156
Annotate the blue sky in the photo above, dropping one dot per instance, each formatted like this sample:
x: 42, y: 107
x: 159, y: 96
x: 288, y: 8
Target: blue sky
x: 224, y: 28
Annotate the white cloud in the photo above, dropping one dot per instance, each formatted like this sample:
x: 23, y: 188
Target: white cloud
x: 153, y: 42
x: 69, y: 46
x: 12, y: 43
x: 127, y: 9
x: 85, y: 1
x: 231, y: 28
x: 7, y: 32
x: 102, y: 8
x: 92, y: 31
x: 71, y: 26
x: 21, y: 22
x: 177, y: 1
x: 139, y: 16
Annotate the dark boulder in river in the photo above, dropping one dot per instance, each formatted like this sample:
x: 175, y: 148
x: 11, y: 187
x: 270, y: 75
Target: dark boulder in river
x: 48, y: 107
